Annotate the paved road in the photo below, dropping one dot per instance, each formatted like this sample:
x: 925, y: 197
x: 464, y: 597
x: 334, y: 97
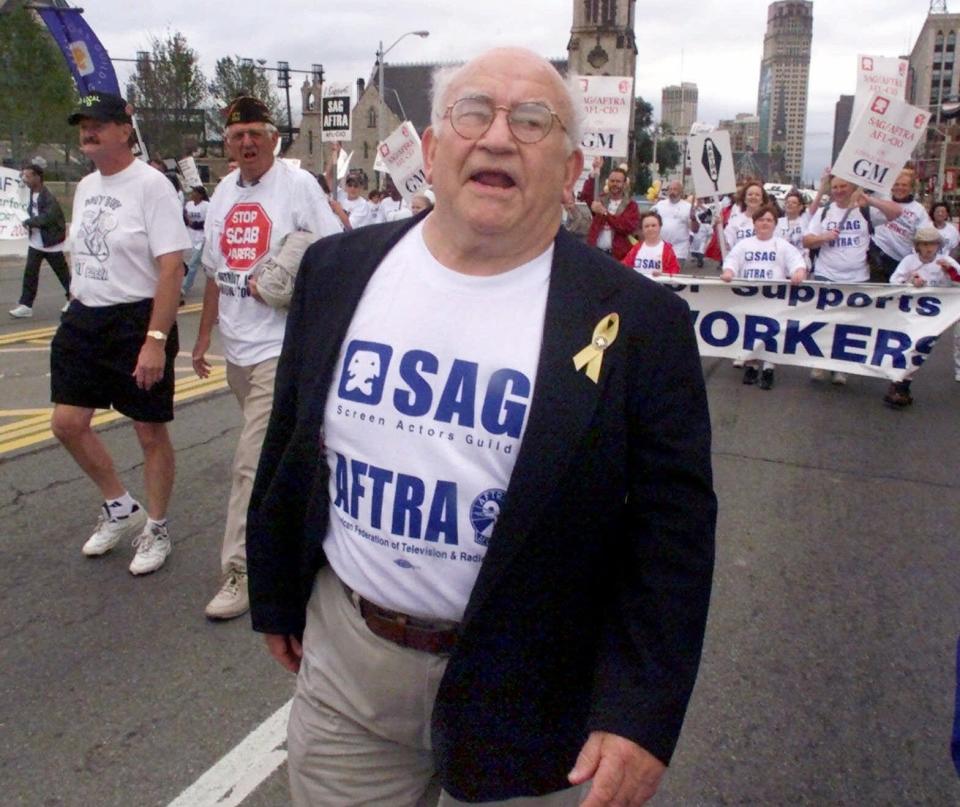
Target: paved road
x: 828, y: 675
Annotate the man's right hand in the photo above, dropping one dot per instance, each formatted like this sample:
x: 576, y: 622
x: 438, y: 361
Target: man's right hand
x: 200, y: 364
x: 286, y: 649
x: 597, y: 164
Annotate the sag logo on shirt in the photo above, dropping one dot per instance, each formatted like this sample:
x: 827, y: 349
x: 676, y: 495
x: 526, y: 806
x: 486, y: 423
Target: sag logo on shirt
x: 449, y: 394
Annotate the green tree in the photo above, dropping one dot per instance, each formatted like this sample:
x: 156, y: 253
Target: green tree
x: 36, y: 89
x: 234, y: 76
x: 168, y: 91
x: 669, y: 153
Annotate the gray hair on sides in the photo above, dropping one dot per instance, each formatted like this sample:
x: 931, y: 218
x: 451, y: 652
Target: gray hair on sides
x: 269, y: 127
x: 444, y: 77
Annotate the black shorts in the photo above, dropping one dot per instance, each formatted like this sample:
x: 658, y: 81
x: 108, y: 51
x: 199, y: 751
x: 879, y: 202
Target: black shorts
x: 93, y: 356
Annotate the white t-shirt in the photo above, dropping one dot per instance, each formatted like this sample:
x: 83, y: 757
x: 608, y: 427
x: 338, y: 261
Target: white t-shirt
x: 793, y: 231
x: 649, y: 260
x: 196, y: 215
x: 245, y: 224
x: 932, y: 272
x: 36, y: 238
x: 895, y: 237
x: 739, y: 226
x: 360, y: 211
x: 394, y: 209
x: 773, y: 259
x: 951, y: 238
x: 121, y: 224
x: 845, y: 259
x: 423, y: 424
x: 676, y: 225
x: 605, y: 236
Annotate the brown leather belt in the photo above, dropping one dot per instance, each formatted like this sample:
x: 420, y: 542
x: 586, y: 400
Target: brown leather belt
x: 405, y: 630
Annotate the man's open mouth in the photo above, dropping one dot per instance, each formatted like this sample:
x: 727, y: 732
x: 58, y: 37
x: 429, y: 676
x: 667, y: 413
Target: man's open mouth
x: 493, y: 179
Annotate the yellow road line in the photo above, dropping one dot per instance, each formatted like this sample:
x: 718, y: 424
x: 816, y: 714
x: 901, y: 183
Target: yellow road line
x: 46, y: 333
x: 35, y: 427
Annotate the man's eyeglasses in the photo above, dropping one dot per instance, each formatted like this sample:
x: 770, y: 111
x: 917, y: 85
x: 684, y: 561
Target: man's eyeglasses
x: 529, y: 121
x: 255, y: 135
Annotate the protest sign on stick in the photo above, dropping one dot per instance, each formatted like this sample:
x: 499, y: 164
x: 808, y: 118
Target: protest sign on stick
x: 607, y: 103
x: 880, y: 143
x: 335, y: 113
x: 879, y: 75
x: 711, y: 163
x: 403, y: 158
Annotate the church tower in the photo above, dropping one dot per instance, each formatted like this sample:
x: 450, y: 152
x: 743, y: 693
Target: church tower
x: 602, y: 42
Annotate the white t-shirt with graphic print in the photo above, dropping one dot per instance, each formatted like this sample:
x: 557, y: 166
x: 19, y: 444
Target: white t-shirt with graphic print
x: 245, y: 224
x: 755, y: 259
x: 423, y: 424
x: 121, y: 224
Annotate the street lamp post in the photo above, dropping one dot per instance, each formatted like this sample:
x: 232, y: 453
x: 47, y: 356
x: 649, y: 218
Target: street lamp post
x: 381, y: 53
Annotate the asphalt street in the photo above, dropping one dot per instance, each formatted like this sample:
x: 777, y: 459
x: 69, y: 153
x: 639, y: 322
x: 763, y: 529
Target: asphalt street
x: 828, y: 676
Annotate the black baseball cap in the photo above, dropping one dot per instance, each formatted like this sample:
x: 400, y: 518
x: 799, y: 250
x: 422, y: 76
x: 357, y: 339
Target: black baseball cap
x: 247, y: 109
x: 102, y: 106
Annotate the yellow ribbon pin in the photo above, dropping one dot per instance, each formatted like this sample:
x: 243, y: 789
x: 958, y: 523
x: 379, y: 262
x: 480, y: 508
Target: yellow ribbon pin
x: 591, y: 356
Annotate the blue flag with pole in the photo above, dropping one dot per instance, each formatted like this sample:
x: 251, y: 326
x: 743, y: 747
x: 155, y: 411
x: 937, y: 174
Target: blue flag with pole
x: 86, y: 57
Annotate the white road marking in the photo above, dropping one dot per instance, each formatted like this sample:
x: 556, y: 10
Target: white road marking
x: 240, y: 771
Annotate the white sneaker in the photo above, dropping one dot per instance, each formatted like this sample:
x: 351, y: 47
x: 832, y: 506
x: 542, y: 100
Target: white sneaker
x: 738, y: 363
x: 232, y: 599
x: 153, y: 546
x: 956, y: 376
x: 21, y: 312
x: 66, y: 305
x: 839, y: 379
x: 109, y: 530
x: 819, y: 375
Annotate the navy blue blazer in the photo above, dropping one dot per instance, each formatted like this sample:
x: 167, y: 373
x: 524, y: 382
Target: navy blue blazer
x: 589, y: 610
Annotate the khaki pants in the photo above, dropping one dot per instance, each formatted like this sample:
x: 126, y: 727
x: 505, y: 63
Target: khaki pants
x: 253, y: 388
x: 359, y: 731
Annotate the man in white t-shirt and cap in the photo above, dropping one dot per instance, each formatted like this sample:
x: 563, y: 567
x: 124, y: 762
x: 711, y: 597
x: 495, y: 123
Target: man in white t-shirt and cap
x: 482, y: 526
x: 117, y: 340
x: 679, y: 220
x: 252, y: 211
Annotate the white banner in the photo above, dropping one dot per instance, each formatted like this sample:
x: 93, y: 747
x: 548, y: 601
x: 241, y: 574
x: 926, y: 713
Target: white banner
x: 335, y: 113
x: 607, y: 105
x: 868, y: 329
x: 880, y: 143
x: 878, y: 75
x: 191, y: 175
x: 403, y: 157
x: 14, y: 201
x: 711, y: 163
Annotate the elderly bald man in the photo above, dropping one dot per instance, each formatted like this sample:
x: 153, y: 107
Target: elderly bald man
x: 482, y: 527
x: 679, y: 220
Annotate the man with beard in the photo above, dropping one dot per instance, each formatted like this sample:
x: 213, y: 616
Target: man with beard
x: 679, y: 220
x: 615, y: 215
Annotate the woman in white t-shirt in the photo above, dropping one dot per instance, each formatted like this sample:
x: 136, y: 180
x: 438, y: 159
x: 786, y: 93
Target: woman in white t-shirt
x: 796, y: 217
x: 195, y: 216
x: 924, y: 267
x: 949, y: 235
x: 653, y: 256
x: 893, y: 238
x: 748, y: 201
x: 763, y: 257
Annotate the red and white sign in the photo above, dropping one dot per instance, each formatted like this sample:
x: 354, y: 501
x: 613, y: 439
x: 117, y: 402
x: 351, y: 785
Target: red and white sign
x: 246, y: 236
x: 878, y: 75
x: 880, y: 143
x: 402, y: 156
x: 607, y: 103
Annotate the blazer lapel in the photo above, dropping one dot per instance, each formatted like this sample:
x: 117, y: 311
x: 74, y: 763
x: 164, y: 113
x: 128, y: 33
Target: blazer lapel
x: 564, y: 401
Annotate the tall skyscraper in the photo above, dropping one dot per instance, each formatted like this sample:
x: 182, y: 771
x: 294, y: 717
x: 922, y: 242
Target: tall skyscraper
x: 843, y: 112
x: 784, y: 75
x: 678, y: 107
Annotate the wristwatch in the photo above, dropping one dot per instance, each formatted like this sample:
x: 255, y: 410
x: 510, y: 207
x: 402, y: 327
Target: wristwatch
x: 160, y: 336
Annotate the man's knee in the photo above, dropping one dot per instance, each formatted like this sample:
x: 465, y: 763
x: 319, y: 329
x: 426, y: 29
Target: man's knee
x: 152, y: 436
x: 70, y: 422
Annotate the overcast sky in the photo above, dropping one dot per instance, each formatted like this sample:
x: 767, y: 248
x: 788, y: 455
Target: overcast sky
x: 716, y: 45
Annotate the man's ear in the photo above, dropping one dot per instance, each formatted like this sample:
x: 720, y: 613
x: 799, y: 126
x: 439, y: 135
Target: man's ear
x: 428, y: 145
x: 573, y: 169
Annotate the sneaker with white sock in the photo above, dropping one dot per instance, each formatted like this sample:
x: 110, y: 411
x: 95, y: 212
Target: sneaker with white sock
x: 21, y: 311
x: 110, y: 529
x: 232, y: 599
x: 839, y: 379
x: 152, y: 545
